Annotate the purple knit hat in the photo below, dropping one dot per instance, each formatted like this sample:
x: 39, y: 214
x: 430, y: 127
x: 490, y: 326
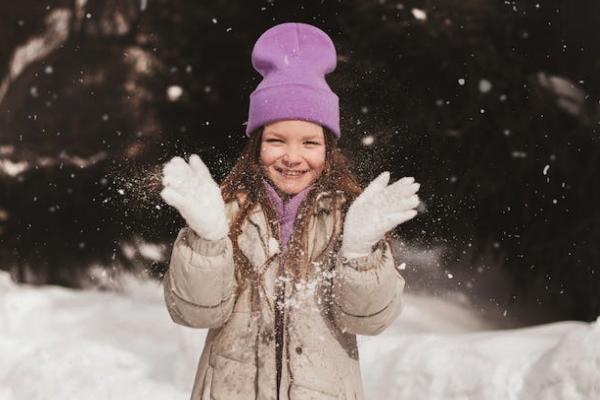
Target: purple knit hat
x: 293, y: 59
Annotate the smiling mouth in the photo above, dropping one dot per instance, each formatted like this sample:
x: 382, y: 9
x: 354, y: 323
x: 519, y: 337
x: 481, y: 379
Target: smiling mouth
x: 290, y: 172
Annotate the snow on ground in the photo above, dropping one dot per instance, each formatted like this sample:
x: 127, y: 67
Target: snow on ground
x: 57, y: 343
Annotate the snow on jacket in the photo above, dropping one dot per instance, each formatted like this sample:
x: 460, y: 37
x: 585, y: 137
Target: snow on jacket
x: 339, y: 299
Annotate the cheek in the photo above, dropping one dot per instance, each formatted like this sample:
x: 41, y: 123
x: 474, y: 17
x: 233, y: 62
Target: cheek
x: 268, y: 155
x: 316, y: 160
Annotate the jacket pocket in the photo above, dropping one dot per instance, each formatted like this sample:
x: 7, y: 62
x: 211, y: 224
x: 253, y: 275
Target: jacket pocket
x: 237, y: 338
x: 232, y: 380
x: 299, y: 392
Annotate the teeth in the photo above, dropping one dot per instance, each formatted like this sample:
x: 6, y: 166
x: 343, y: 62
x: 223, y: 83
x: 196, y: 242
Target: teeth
x: 290, y: 173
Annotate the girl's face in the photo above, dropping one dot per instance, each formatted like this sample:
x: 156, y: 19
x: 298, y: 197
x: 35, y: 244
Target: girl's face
x: 292, y: 152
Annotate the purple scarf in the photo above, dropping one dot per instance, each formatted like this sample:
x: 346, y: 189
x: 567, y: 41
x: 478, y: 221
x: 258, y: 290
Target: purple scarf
x: 286, y: 211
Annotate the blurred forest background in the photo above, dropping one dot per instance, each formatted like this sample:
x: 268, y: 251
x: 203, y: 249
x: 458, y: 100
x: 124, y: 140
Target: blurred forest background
x: 494, y: 106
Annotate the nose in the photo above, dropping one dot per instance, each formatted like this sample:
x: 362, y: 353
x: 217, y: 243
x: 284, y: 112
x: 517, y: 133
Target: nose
x: 291, y: 158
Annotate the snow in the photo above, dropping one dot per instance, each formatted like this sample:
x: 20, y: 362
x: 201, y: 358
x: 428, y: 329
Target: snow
x: 419, y: 14
x: 569, y: 96
x: 485, y: 86
x: 174, y: 92
x: 545, y: 170
x: 11, y: 168
x: 58, y: 343
x: 273, y: 246
x: 368, y: 140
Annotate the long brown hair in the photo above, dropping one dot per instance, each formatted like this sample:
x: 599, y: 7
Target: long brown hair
x: 244, y: 184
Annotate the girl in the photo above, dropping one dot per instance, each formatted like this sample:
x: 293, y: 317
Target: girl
x: 263, y: 262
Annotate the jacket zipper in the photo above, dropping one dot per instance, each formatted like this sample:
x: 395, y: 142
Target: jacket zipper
x: 280, y: 304
x: 279, y: 299
x: 279, y: 321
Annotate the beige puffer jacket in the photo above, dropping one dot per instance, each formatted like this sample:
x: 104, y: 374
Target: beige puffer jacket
x: 322, y: 315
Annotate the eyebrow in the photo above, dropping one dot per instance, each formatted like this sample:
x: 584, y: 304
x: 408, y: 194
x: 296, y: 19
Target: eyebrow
x: 273, y: 133
x: 310, y: 136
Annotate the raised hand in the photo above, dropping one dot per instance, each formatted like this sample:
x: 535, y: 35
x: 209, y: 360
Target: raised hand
x: 378, y: 209
x: 192, y: 191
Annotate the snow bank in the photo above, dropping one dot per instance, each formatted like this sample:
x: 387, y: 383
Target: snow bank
x: 558, y: 361
x: 63, y: 344
x: 570, y: 369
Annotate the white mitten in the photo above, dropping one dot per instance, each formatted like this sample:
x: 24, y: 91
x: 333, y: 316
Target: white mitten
x: 193, y: 192
x: 378, y: 209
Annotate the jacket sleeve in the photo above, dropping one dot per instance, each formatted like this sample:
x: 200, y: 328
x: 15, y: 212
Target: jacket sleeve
x: 367, y: 293
x: 199, y: 286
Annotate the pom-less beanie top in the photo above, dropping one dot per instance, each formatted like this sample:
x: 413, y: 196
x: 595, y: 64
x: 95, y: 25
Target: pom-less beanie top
x: 293, y: 59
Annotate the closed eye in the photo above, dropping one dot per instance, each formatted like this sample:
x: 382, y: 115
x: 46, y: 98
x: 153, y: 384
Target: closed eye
x: 312, y: 143
x: 274, y: 141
